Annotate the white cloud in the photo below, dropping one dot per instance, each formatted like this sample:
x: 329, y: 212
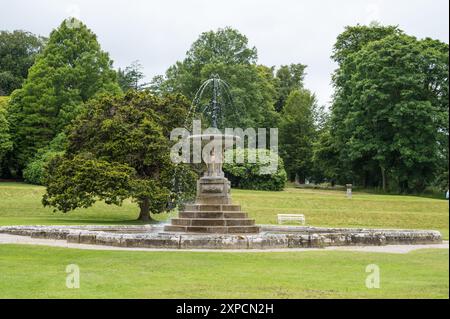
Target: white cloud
x: 159, y: 32
x: 373, y: 13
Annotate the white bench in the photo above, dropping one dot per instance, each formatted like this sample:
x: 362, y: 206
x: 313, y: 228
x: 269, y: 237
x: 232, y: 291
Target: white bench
x: 291, y: 217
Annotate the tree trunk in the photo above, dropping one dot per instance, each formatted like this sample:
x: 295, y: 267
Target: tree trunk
x: 144, y: 214
x: 383, y: 177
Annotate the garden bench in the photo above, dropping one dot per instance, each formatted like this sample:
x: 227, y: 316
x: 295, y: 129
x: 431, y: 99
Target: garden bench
x: 291, y: 217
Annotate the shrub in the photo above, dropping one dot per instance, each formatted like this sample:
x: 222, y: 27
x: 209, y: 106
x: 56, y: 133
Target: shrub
x: 34, y: 171
x: 251, y: 175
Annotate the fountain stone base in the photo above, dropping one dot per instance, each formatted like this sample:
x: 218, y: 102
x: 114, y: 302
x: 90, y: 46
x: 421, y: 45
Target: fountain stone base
x: 213, y: 211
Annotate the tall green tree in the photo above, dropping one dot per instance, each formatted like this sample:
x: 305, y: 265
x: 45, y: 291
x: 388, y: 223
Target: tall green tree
x: 18, y: 50
x: 354, y: 38
x: 71, y: 69
x: 390, y: 112
x: 326, y: 166
x: 222, y: 47
x: 118, y: 148
x: 225, y: 52
x: 5, y: 137
x: 348, y: 43
x: 288, y: 78
x: 131, y: 77
x: 297, y: 134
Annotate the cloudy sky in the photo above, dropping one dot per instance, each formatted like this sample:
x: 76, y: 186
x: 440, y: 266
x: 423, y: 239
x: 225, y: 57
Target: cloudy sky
x: 159, y: 32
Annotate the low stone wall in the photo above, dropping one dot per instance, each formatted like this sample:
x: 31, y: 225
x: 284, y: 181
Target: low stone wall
x: 271, y: 237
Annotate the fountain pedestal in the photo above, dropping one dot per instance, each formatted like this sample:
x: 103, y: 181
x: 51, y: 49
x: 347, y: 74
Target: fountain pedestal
x: 213, y: 190
x: 213, y: 210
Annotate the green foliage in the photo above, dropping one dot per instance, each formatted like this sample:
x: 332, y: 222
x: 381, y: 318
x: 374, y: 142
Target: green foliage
x: 131, y: 76
x: 73, y: 182
x: 389, y: 118
x: 226, y: 53
x: 297, y: 134
x: 225, y: 47
x: 289, y: 78
x: 354, y: 38
x: 35, y: 169
x: 18, y: 50
x: 5, y: 137
x: 119, y: 148
x: 326, y: 165
x: 249, y: 175
x: 71, y: 69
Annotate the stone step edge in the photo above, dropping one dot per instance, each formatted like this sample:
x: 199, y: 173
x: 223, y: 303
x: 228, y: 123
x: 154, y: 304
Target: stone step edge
x: 213, y: 207
x: 208, y: 219
x: 211, y: 222
x: 229, y: 241
x: 214, y: 211
x: 222, y: 229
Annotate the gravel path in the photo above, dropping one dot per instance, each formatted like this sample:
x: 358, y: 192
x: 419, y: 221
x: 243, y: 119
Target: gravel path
x: 396, y: 249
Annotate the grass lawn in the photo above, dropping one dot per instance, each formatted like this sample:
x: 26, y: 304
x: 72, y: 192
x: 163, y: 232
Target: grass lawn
x: 332, y: 208
x: 39, y: 272
x: 21, y: 204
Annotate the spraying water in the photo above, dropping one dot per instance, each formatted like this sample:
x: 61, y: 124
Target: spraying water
x: 213, y: 99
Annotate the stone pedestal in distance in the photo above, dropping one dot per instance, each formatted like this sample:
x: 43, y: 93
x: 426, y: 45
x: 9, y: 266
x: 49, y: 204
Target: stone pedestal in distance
x: 213, y: 211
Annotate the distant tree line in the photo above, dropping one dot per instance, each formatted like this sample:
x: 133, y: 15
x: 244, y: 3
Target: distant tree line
x: 388, y: 125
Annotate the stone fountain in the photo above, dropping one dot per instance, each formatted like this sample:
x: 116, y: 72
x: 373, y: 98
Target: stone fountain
x: 213, y: 210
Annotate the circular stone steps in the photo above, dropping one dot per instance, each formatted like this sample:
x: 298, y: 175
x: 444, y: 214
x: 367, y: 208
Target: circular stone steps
x: 204, y: 214
x: 212, y: 207
x: 212, y: 229
x: 213, y: 222
x: 213, y: 211
x: 213, y: 219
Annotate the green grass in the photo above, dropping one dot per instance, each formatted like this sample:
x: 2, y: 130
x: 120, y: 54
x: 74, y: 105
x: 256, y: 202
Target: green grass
x: 21, y: 204
x: 332, y: 208
x: 39, y: 272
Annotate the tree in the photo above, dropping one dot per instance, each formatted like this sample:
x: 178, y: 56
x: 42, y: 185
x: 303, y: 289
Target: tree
x: 18, y: 50
x: 5, y: 137
x: 297, y: 134
x: 289, y: 78
x: 348, y: 43
x: 131, y: 76
x: 222, y: 47
x: 354, y: 38
x: 326, y: 162
x: 119, y: 148
x: 71, y: 69
x: 225, y: 52
x: 390, y: 110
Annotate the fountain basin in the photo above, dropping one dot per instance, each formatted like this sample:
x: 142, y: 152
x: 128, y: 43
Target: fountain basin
x: 270, y: 237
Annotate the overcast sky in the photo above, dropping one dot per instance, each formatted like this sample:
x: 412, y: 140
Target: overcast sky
x: 159, y: 32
